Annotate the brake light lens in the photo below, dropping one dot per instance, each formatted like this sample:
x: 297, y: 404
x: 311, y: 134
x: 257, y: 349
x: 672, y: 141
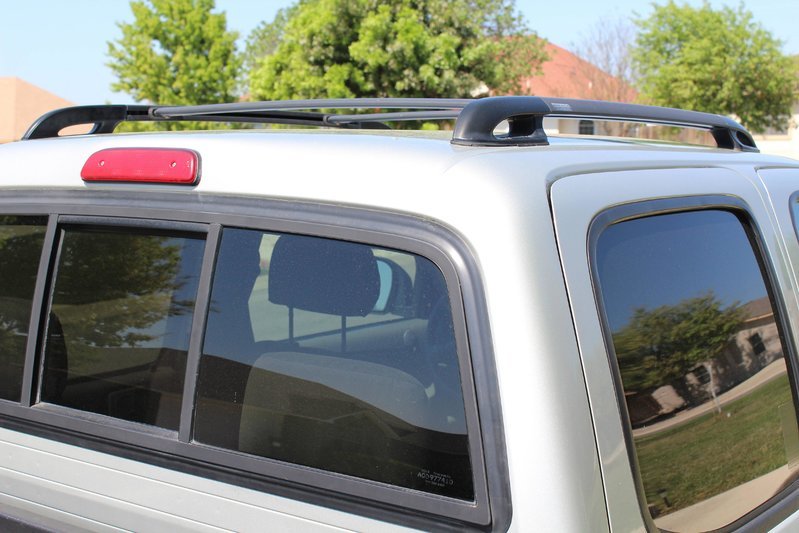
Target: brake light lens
x: 176, y: 166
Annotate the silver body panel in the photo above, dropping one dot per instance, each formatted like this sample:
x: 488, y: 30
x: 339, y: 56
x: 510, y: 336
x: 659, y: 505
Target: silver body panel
x: 524, y: 213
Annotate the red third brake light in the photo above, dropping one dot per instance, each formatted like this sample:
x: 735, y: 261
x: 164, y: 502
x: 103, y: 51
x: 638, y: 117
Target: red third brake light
x: 177, y: 166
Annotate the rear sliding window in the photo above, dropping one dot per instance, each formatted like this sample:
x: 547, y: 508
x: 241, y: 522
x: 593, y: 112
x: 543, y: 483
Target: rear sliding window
x: 334, y: 355
x: 119, y: 322
x: 702, y: 363
x: 317, y: 352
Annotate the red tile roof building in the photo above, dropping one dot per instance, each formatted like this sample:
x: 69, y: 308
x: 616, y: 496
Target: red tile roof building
x: 567, y: 76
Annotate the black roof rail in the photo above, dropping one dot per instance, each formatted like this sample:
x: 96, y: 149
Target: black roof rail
x: 525, y: 114
x: 105, y: 118
x: 475, y: 125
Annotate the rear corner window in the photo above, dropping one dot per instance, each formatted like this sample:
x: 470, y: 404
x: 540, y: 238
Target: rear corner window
x: 702, y: 363
x: 337, y: 356
x: 21, y: 241
x: 119, y: 322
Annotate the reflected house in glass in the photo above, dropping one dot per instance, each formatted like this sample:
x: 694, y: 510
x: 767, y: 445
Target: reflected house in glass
x: 759, y: 340
x: 754, y: 347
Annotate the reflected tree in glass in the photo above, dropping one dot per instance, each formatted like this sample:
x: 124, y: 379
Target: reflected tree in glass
x: 661, y: 345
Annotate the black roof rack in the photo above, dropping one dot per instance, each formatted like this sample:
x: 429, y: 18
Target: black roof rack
x: 476, y: 122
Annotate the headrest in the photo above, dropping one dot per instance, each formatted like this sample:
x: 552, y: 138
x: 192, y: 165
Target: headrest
x: 323, y: 275
x: 229, y: 329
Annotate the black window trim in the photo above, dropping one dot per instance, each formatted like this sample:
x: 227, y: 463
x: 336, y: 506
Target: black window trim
x: 196, y: 338
x: 778, y: 507
x: 40, y: 292
x: 491, y: 508
x: 793, y: 207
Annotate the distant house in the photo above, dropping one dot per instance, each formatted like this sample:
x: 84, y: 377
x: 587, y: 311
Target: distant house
x: 567, y: 76
x: 785, y: 142
x: 20, y: 104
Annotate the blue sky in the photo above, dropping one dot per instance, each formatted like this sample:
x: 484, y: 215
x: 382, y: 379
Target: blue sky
x: 61, y: 45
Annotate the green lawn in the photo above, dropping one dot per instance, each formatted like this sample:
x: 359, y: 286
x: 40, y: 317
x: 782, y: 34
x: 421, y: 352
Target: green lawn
x: 714, y: 453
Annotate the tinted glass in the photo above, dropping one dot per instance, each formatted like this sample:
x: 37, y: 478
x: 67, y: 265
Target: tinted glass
x: 119, y: 324
x: 21, y: 240
x: 334, y: 355
x: 702, y: 363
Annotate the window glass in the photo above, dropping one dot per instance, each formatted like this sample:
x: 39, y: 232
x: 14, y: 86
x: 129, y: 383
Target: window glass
x: 119, y: 325
x: 702, y: 364
x: 586, y: 127
x: 21, y: 240
x: 334, y: 355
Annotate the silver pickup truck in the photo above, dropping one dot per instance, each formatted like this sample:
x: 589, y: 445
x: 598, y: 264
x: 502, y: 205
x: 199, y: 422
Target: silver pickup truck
x: 332, y: 325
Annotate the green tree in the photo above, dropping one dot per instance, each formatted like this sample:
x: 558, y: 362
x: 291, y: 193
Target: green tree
x: 718, y: 61
x: 265, y: 38
x: 176, y: 52
x: 661, y: 345
x: 397, y: 48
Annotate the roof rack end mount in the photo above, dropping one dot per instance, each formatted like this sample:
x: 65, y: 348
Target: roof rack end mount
x: 104, y: 119
x: 525, y: 114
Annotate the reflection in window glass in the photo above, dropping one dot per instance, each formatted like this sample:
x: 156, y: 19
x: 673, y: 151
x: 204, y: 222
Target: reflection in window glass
x: 21, y: 240
x: 118, y: 330
x: 702, y: 365
x: 334, y: 355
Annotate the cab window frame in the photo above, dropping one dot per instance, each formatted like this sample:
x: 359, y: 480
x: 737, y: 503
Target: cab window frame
x: 177, y: 211
x: 781, y: 505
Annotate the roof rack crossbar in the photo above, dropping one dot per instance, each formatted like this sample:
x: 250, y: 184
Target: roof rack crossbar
x: 478, y: 120
x: 335, y: 103
x: 394, y: 117
x: 294, y: 118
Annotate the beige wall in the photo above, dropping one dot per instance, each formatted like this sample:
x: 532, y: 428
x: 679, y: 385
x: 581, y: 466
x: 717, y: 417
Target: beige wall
x: 21, y: 103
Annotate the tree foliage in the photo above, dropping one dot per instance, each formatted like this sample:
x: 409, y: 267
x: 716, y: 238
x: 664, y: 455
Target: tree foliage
x: 265, y: 38
x: 607, y: 48
x: 718, y: 61
x: 176, y: 52
x: 661, y: 345
x: 397, y: 48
